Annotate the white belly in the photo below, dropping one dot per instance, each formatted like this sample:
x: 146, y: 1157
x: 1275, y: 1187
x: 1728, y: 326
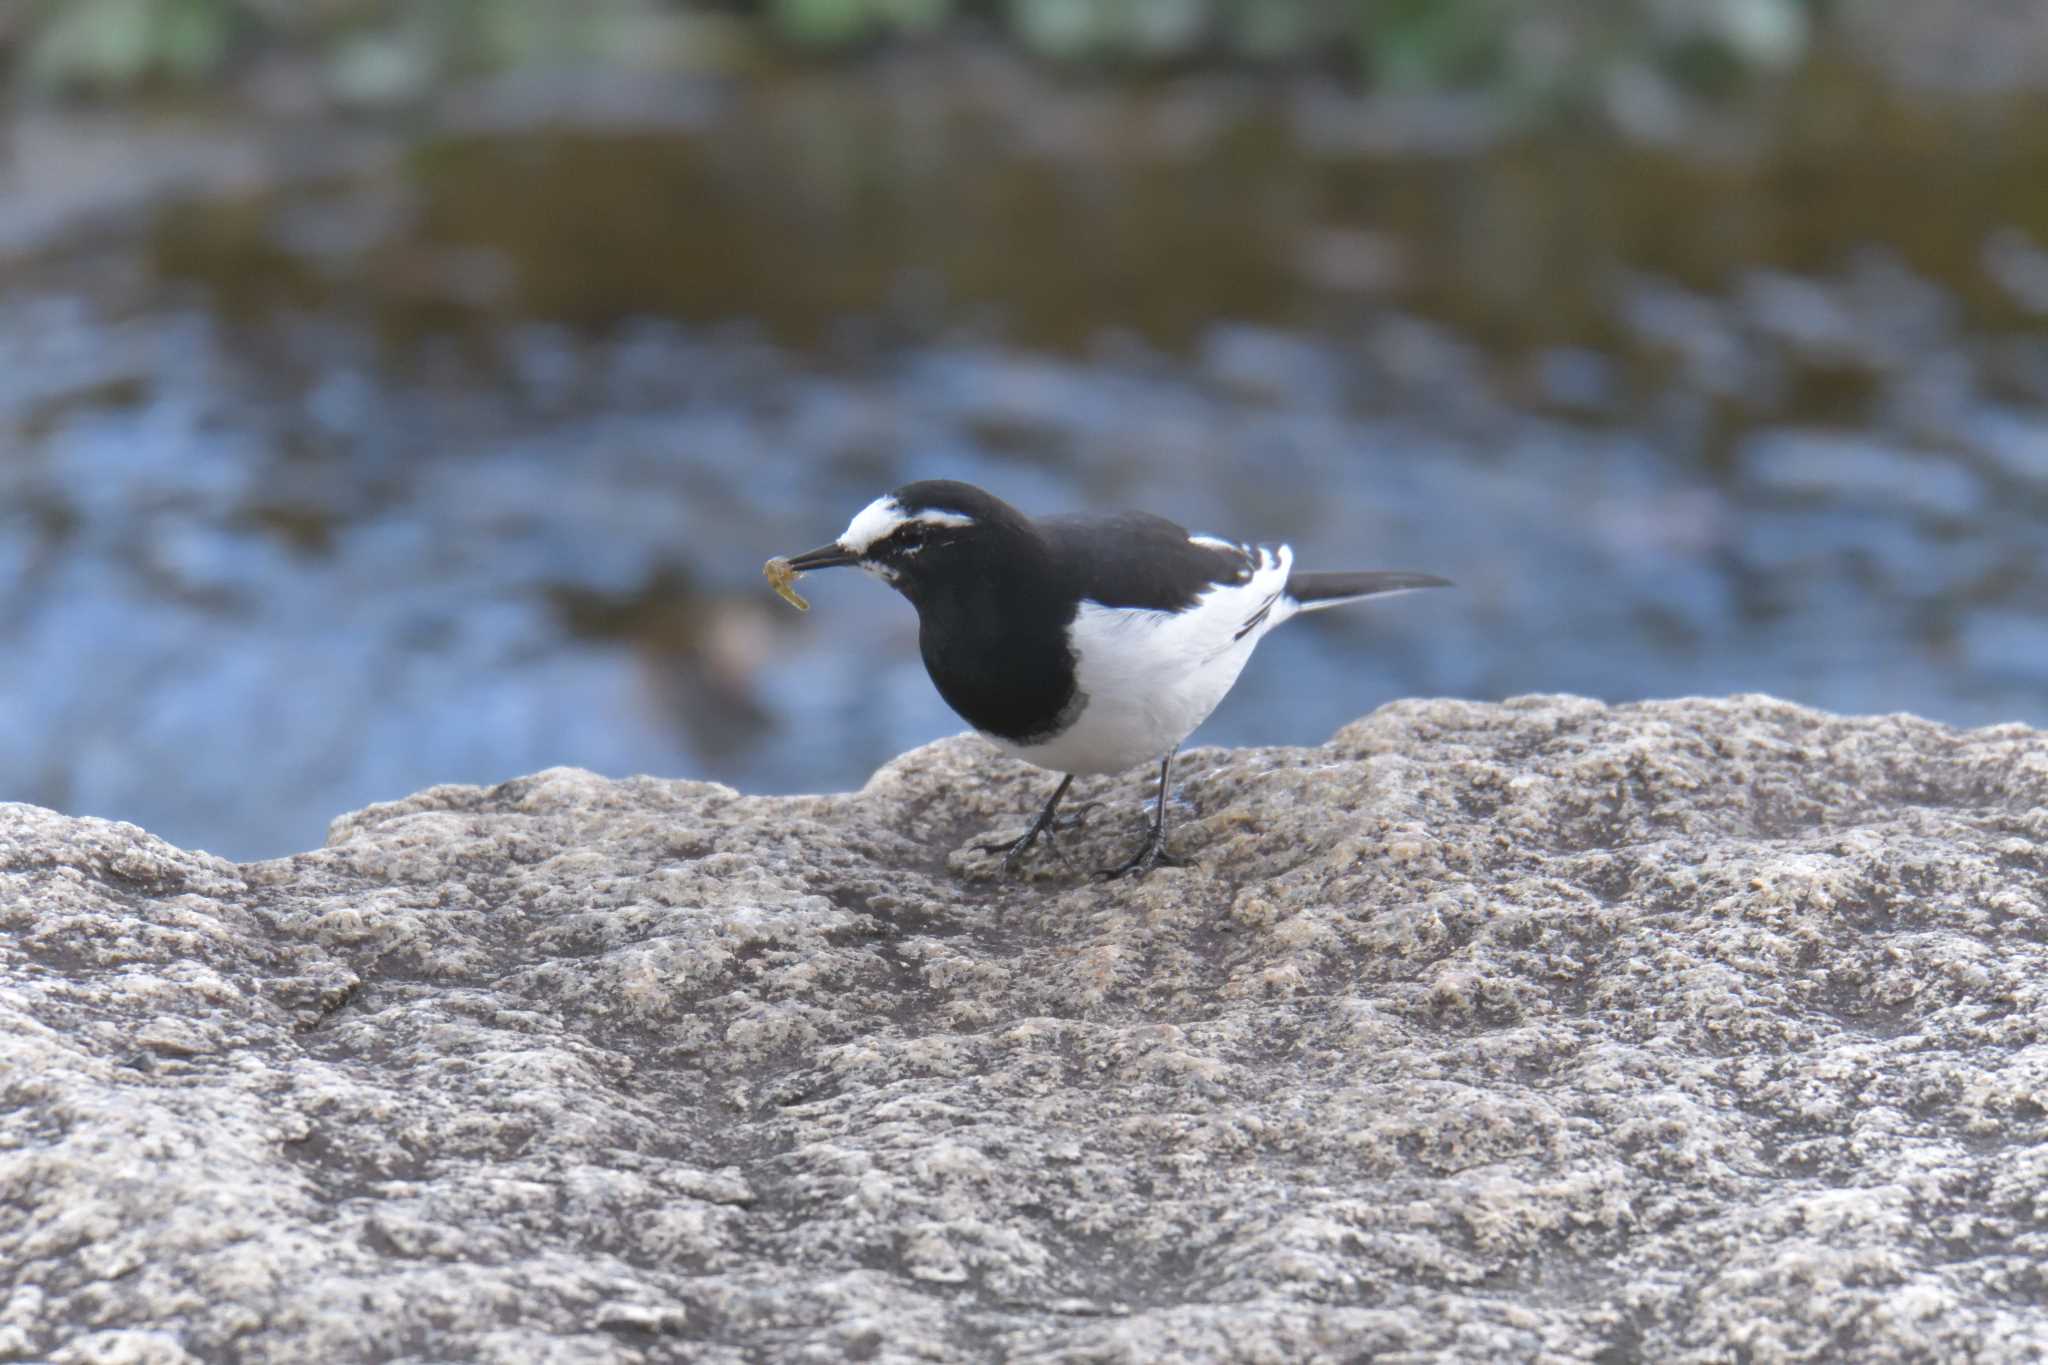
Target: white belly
x: 1150, y: 677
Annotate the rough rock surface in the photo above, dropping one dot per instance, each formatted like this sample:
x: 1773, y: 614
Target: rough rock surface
x: 1693, y: 1030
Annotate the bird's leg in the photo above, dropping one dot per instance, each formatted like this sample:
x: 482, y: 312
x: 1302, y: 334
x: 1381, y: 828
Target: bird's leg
x: 1152, y: 852
x: 1046, y: 824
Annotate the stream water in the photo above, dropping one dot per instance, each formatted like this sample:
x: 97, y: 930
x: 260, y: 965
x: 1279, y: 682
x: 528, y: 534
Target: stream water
x: 454, y: 454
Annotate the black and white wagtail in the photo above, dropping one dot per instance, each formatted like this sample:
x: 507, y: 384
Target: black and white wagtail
x: 1081, y: 644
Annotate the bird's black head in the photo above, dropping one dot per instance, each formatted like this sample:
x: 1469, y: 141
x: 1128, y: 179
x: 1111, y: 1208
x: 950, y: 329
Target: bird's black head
x: 923, y: 534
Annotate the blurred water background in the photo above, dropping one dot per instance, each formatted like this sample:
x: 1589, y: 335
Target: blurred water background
x: 394, y: 394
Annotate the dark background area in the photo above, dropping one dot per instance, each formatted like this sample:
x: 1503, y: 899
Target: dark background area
x: 399, y: 394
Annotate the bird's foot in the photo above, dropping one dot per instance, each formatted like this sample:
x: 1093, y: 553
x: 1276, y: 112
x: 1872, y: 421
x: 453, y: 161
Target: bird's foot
x: 1152, y: 853
x: 1013, y: 850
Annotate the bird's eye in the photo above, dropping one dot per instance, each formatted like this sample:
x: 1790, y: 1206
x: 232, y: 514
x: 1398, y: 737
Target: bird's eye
x: 910, y: 536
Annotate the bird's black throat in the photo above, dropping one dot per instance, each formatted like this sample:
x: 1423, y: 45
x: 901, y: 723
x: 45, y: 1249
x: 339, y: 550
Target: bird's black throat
x: 992, y: 626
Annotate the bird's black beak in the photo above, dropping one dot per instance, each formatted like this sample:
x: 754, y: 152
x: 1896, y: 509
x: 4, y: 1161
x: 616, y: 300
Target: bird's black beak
x: 831, y: 556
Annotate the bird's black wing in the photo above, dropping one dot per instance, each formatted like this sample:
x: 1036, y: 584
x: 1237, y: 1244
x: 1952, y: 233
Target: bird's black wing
x: 1134, y: 559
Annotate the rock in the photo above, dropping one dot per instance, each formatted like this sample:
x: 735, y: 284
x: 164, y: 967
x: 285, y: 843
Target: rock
x: 1683, y: 1030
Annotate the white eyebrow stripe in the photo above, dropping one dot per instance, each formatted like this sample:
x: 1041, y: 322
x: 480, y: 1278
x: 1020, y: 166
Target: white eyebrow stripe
x: 870, y: 524
x: 884, y: 516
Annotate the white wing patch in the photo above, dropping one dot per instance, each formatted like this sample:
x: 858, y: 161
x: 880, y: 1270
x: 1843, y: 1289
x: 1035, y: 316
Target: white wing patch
x: 1150, y: 677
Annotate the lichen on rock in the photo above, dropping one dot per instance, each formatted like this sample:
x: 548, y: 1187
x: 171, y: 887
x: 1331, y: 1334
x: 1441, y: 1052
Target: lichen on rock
x: 1546, y: 1029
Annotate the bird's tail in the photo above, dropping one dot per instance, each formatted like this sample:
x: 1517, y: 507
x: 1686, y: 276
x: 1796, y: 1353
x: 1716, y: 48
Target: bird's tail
x: 1314, y: 591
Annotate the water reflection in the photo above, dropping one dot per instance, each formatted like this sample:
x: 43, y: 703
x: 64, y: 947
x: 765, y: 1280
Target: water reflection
x: 465, y: 465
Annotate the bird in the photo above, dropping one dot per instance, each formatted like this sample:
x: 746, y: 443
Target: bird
x: 1081, y: 643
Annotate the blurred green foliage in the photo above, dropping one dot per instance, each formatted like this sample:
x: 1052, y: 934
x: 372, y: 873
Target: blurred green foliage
x: 116, y: 43
x: 388, y: 50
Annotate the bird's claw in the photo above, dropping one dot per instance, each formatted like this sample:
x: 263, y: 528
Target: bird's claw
x: 1013, y: 850
x: 1152, y: 853
x: 1077, y: 817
